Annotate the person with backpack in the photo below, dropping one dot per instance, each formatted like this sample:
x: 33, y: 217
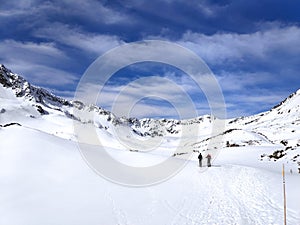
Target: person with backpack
x: 200, y: 159
x: 208, y: 160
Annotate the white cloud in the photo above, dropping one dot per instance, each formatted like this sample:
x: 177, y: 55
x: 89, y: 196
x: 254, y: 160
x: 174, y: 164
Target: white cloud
x: 121, y: 99
x: 221, y: 47
x: 74, y: 37
x: 144, y: 110
x: 239, y: 81
x: 10, y: 13
x: 16, y: 49
x: 24, y: 8
x: 91, y: 10
x: 35, y: 61
x: 95, y: 11
x: 42, y: 75
x: 272, y: 44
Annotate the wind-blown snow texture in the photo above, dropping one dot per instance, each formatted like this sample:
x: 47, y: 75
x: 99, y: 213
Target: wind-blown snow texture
x: 44, y: 180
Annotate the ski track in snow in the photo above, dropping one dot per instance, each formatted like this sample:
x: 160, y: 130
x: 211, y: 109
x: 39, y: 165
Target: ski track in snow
x: 241, y: 198
x: 221, y: 195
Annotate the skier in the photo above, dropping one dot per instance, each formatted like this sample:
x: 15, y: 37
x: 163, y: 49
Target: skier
x: 208, y: 160
x: 200, y: 159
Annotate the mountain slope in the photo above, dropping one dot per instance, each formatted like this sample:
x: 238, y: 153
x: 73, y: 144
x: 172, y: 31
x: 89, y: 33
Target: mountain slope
x: 279, y: 128
x: 44, y: 180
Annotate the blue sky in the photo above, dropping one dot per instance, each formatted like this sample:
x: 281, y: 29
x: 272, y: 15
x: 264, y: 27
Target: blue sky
x: 253, y: 47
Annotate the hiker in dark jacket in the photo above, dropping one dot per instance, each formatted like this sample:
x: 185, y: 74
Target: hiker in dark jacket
x: 200, y: 159
x: 208, y: 160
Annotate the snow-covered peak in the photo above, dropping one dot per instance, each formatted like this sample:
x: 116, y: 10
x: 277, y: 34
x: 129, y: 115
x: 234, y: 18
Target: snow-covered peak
x: 276, y: 125
x: 102, y: 118
x: 291, y: 103
x: 2, y: 67
x: 4, y: 79
x: 22, y: 88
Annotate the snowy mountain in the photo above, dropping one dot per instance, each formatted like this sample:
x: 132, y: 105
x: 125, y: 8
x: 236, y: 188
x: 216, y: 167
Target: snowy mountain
x: 49, y: 105
x: 42, y: 173
x: 278, y: 127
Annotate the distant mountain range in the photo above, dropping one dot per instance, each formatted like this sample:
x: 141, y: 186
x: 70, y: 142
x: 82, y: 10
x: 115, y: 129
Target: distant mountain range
x: 24, y: 104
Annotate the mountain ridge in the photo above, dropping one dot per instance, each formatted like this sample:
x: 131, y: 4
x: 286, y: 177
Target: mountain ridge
x: 278, y: 128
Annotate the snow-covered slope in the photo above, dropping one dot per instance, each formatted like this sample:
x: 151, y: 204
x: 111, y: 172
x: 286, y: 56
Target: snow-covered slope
x: 44, y: 180
x: 278, y: 127
x: 27, y: 105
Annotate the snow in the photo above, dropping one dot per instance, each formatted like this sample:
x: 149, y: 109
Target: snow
x: 45, y: 180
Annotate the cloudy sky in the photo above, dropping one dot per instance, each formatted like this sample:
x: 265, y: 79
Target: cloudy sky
x: 252, y: 47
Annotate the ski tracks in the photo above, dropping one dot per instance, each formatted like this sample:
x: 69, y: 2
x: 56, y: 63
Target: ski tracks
x: 207, y: 202
x: 229, y: 195
x: 253, y: 198
x: 133, y: 206
x: 257, y: 200
x: 118, y: 214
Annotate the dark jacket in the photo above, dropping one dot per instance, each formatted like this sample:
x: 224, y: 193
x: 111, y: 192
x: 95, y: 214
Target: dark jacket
x: 200, y: 156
